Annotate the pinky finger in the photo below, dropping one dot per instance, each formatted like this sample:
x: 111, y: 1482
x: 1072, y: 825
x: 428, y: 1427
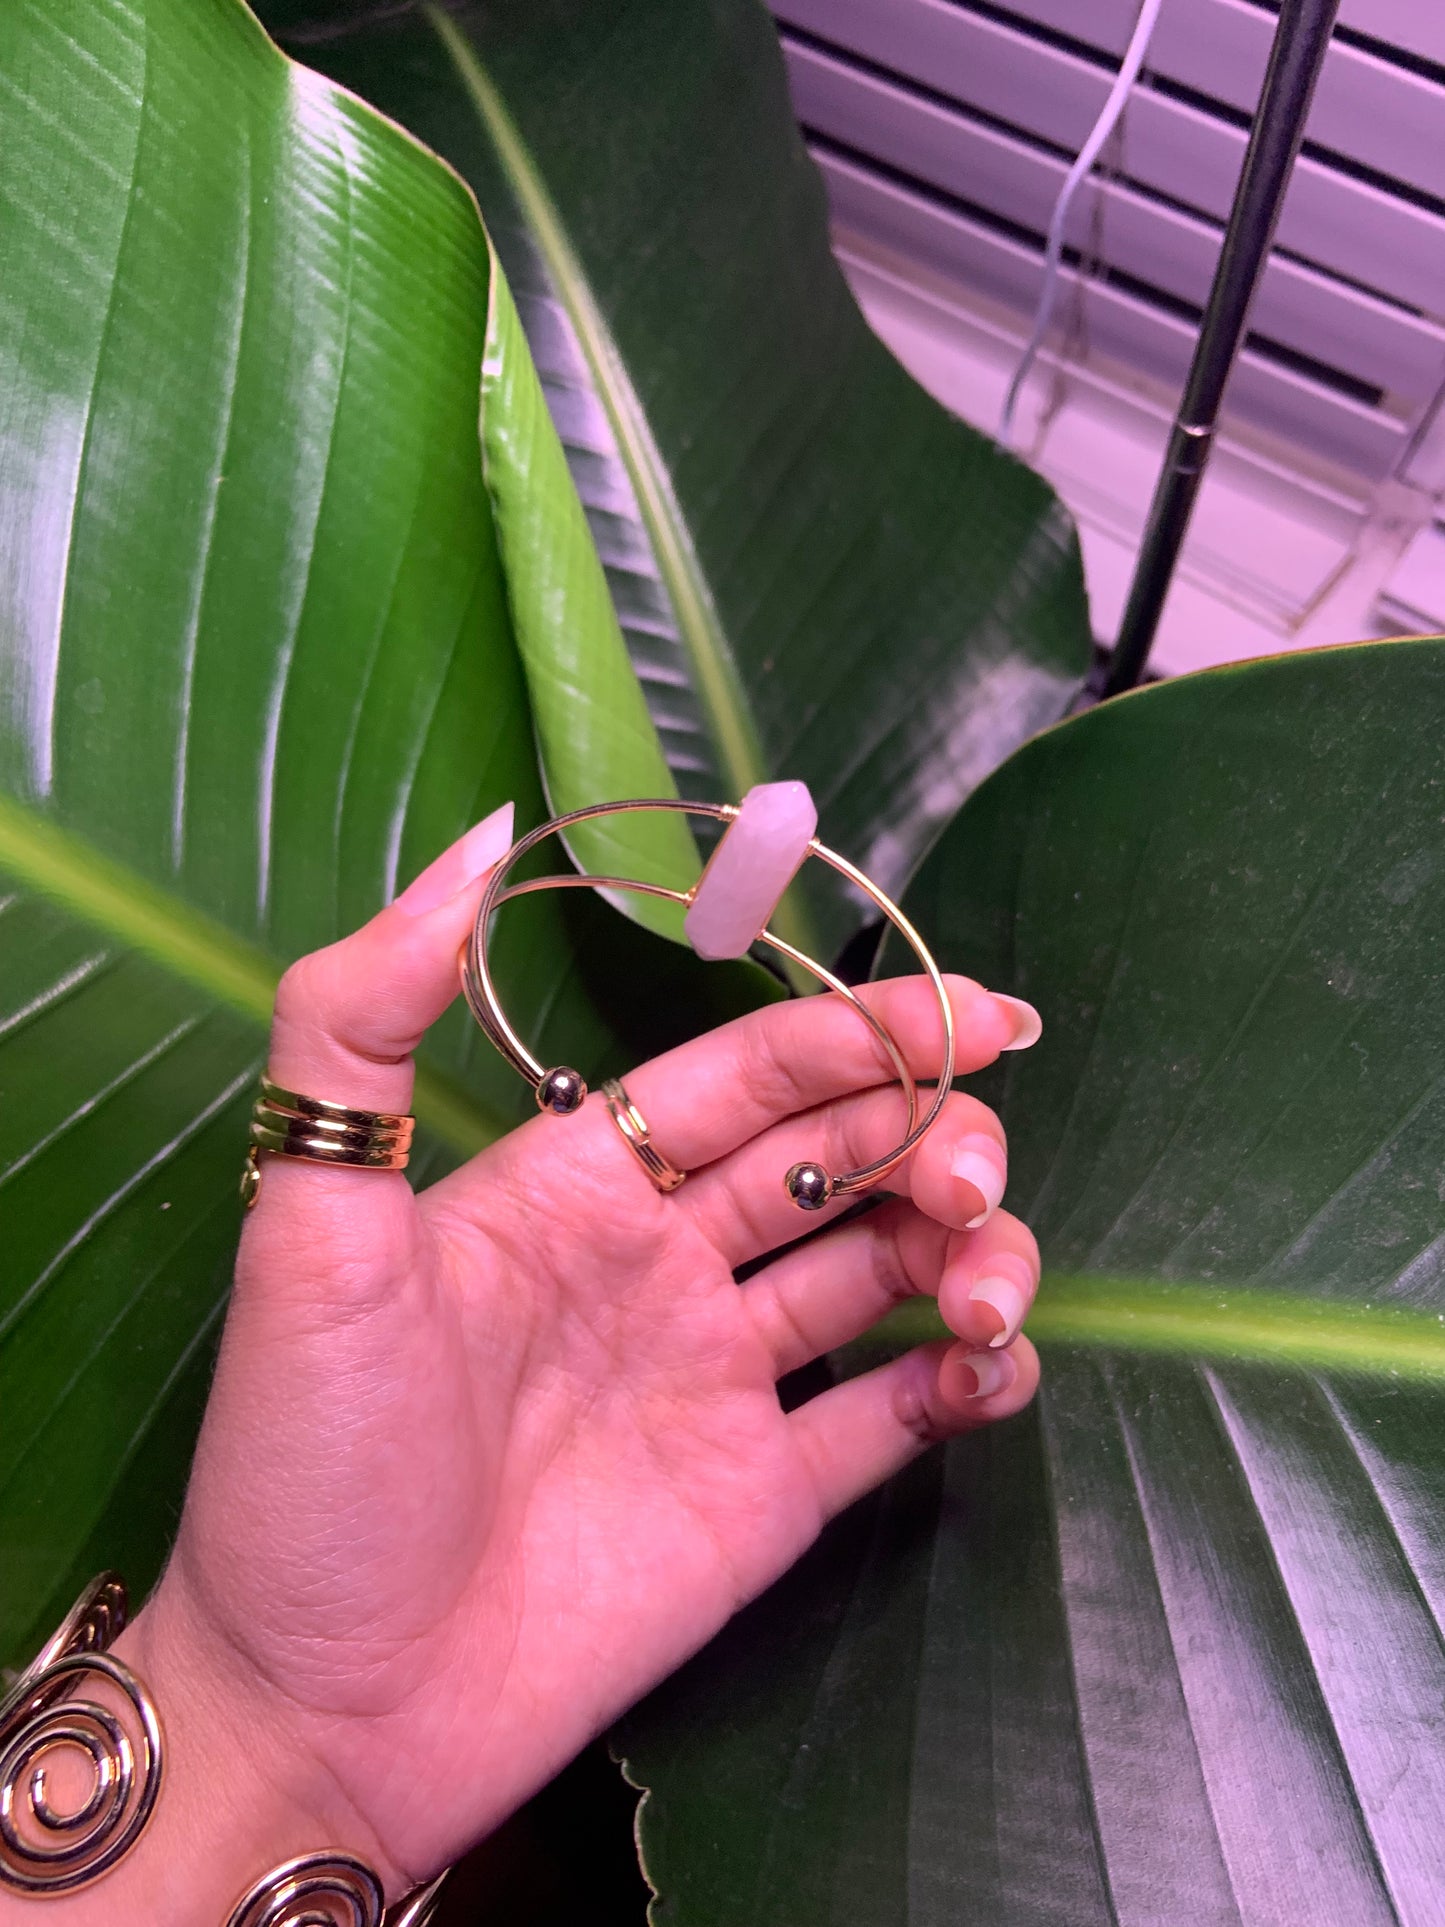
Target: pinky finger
x: 859, y: 1433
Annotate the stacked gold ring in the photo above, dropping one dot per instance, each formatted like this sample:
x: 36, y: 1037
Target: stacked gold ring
x: 295, y: 1126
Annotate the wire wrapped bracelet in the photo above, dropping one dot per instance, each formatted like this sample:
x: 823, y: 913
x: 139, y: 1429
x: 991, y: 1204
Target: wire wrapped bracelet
x: 330, y: 1890
x: 767, y: 838
x: 76, y: 1700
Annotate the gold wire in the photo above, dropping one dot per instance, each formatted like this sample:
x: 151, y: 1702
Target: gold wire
x: 296, y: 1139
x: 323, y: 1112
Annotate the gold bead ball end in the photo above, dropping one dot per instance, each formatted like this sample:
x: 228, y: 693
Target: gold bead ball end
x: 561, y: 1091
x: 809, y: 1186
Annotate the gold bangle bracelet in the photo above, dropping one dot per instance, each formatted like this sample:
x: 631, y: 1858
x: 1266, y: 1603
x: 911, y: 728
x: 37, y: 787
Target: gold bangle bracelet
x: 562, y: 1090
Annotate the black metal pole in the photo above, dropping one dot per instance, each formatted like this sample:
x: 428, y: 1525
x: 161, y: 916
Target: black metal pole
x: 1301, y: 41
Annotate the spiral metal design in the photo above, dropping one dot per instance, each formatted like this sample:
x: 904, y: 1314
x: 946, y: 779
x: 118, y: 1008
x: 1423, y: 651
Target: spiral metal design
x: 315, y: 1890
x: 330, y: 1890
x: 52, y: 1712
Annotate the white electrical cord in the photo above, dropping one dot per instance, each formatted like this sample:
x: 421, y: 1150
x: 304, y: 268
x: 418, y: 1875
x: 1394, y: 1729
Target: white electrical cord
x: 1104, y: 126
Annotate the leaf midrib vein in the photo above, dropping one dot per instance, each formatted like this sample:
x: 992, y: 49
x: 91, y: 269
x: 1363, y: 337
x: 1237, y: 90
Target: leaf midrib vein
x: 718, y: 682
x: 678, y: 566
x: 145, y: 918
x: 1229, y: 1324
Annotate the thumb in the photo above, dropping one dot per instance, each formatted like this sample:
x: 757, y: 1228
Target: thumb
x: 349, y: 1017
x: 346, y: 1022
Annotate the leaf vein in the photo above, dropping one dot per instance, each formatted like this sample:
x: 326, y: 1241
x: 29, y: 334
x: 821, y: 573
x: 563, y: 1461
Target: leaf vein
x: 43, y: 745
x: 94, y: 1102
x: 190, y: 642
x: 153, y: 1163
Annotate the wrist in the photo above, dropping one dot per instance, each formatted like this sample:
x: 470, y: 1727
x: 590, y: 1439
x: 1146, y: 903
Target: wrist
x: 242, y: 1790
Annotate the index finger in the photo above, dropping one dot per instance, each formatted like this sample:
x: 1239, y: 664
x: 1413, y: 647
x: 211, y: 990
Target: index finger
x: 711, y: 1095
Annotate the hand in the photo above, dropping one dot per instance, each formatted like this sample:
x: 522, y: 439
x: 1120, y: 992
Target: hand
x: 482, y: 1465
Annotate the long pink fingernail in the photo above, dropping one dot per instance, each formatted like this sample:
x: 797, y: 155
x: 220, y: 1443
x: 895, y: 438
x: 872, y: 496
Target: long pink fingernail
x: 484, y: 845
x: 980, y: 1161
x: 1028, y: 1026
x: 1007, y: 1300
x: 992, y: 1372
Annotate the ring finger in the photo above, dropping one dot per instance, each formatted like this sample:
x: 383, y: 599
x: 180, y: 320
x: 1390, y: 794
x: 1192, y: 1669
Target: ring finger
x: 832, y: 1289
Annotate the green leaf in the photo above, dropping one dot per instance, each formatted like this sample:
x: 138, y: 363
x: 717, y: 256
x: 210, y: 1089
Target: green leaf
x: 1168, y: 1647
x: 596, y: 739
x: 256, y: 668
x: 819, y: 573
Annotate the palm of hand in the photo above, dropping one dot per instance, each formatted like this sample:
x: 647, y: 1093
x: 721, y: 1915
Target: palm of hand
x: 532, y: 1471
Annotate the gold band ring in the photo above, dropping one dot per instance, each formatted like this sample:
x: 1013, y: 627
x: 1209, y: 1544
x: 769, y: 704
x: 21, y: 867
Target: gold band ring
x: 562, y: 1090
x: 293, y: 1125
x: 632, y: 1124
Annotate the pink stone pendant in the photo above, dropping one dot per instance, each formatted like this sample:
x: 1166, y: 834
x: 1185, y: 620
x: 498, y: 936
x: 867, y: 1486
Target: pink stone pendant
x: 752, y: 866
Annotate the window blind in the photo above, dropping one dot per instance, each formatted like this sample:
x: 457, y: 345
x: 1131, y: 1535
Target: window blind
x: 944, y: 127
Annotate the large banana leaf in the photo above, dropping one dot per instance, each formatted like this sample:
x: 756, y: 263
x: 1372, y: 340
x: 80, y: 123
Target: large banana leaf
x: 819, y: 573
x: 256, y: 666
x: 1169, y: 1647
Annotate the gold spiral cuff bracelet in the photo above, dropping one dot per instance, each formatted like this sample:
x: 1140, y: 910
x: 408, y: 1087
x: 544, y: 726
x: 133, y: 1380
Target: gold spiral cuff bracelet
x: 332, y: 1889
x: 51, y: 1711
x: 45, y: 1850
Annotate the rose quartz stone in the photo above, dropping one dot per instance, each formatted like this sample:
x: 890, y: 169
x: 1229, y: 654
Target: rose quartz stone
x: 749, y: 870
